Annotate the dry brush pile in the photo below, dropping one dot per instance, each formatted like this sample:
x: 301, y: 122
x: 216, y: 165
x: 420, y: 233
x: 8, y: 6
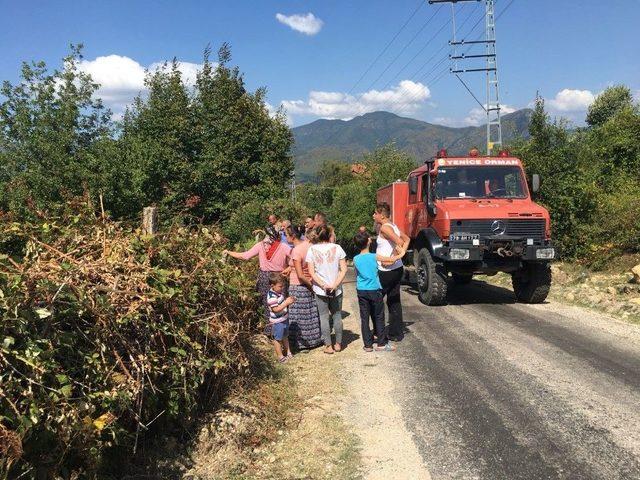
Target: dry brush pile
x: 107, y: 335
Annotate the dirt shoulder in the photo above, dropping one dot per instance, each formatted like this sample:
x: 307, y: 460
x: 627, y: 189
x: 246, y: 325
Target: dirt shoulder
x: 616, y: 293
x: 336, y: 418
x: 371, y: 408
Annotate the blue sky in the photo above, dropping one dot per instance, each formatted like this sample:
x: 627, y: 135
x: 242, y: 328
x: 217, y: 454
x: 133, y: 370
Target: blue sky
x: 569, y: 50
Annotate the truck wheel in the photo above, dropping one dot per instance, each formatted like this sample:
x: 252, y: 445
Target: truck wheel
x: 531, y: 283
x: 432, y: 279
x: 460, y: 279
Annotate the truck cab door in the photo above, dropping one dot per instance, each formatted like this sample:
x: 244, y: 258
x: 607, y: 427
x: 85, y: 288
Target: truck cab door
x: 428, y: 196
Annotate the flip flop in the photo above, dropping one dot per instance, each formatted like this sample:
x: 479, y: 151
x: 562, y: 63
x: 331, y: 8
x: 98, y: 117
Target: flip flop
x: 327, y: 351
x: 368, y: 349
x: 386, y: 348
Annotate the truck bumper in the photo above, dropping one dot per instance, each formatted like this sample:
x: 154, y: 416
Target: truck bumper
x: 492, y: 256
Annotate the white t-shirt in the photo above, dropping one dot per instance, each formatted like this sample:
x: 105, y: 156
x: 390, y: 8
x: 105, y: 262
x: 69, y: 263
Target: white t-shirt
x: 326, y: 263
x: 386, y: 247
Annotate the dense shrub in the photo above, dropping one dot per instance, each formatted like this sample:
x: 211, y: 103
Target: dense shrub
x: 107, y: 335
x: 589, y: 177
x: 618, y: 227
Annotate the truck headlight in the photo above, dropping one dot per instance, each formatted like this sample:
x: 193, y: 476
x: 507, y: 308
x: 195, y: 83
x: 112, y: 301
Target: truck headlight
x: 545, y: 253
x: 459, y: 254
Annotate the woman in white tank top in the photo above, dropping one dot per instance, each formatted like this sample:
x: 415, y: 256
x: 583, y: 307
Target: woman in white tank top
x: 387, y: 248
x: 390, y: 240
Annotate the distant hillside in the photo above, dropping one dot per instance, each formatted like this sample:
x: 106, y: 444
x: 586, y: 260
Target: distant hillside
x: 347, y: 140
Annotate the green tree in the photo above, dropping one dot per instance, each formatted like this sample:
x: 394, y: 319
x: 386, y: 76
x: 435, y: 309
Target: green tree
x: 333, y: 173
x: 238, y: 144
x: 156, y: 144
x: 568, y: 189
x: 206, y: 151
x: 615, y: 145
x: 353, y: 202
x: 52, y: 134
x: 608, y: 103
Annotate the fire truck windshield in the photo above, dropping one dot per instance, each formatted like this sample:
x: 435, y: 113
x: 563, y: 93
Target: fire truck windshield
x: 480, y: 182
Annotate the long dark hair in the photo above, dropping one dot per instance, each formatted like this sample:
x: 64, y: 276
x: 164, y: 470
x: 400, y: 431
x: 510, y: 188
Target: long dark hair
x: 295, y: 231
x: 323, y: 234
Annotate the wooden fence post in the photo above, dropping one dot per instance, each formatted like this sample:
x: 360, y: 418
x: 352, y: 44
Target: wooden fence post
x: 150, y: 220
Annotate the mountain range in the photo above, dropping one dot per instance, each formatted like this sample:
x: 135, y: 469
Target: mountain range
x: 347, y: 140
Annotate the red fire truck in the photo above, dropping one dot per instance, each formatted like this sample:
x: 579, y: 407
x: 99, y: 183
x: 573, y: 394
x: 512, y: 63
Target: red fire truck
x: 473, y: 215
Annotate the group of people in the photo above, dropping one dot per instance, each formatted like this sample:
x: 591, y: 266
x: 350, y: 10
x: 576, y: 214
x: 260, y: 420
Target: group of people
x: 302, y: 270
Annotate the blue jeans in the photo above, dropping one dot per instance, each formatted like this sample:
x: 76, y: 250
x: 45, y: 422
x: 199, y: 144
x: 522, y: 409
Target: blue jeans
x: 330, y: 309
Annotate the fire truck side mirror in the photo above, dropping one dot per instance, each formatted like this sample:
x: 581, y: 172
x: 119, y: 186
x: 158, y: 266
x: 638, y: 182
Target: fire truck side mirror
x: 535, y: 183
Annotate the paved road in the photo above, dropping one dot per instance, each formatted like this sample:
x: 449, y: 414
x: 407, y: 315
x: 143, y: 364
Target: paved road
x: 492, y: 389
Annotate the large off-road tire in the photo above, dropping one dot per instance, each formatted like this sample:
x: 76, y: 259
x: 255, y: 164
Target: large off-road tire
x: 460, y: 279
x: 431, y: 279
x: 531, y: 284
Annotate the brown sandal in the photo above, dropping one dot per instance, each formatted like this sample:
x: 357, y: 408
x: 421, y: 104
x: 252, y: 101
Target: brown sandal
x: 328, y: 350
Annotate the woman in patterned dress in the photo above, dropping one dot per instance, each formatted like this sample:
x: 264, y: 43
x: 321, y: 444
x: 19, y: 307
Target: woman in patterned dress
x: 304, y: 322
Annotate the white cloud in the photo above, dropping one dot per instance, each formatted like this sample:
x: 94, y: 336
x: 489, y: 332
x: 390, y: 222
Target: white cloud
x: 569, y: 100
x: 188, y: 71
x: 122, y: 78
x: 476, y: 116
x: 446, y: 121
x: 308, y: 24
x: 406, y: 98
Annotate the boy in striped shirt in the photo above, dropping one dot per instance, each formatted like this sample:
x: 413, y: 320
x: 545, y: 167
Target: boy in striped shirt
x: 279, y: 316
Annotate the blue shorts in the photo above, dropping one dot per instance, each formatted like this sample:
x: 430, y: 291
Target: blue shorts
x: 280, y: 330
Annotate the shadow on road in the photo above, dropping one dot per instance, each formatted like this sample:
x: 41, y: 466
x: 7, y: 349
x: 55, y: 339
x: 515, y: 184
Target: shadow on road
x: 476, y: 292
x: 348, y: 337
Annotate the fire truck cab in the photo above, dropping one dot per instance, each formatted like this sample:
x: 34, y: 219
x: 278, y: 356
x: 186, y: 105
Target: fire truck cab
x: 473, y: 215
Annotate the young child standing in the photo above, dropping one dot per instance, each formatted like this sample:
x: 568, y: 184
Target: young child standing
x: 369, y: 290
x: 278, y: 316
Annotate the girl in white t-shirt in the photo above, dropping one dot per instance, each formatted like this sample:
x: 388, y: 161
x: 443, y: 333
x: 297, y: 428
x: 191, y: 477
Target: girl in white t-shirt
x: 327, y: 267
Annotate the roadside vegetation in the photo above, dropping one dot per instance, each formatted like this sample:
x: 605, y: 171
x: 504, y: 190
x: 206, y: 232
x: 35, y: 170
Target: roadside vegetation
x: 109, y: 337
x: 590, y: 177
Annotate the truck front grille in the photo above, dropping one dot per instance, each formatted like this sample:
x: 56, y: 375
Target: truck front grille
x: 529, y: 228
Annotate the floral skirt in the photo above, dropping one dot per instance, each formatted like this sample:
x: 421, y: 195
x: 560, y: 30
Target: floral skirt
x: 304, y: 321
x: 262, y: 286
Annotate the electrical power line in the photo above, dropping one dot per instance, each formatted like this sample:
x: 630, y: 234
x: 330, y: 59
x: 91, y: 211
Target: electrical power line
x: 417, y: 54
x: 435, y: 66
x: 386, y: 46
x: 434, y: 73
x: 404, y: 48
x: 469, y: 32
x: 363, y: 109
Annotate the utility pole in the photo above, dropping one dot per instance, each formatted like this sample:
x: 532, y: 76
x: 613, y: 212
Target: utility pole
x: 492, y: 105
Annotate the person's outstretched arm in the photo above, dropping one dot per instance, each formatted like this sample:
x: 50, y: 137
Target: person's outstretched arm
x: 252, y: 252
